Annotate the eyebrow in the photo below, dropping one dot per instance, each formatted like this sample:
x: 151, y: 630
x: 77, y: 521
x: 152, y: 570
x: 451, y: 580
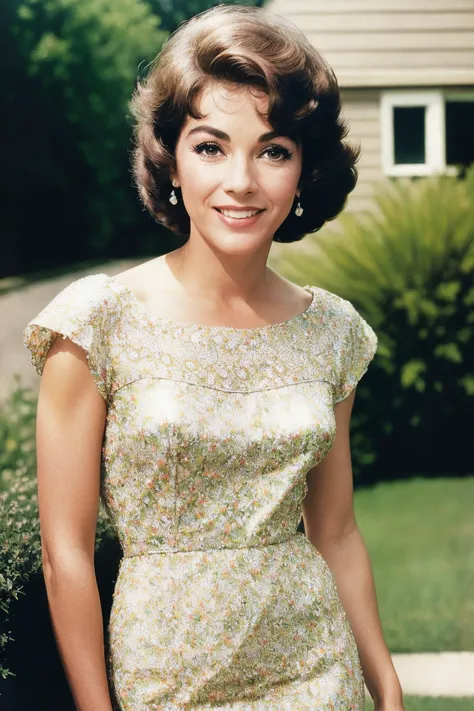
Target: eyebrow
x: 225, y: 137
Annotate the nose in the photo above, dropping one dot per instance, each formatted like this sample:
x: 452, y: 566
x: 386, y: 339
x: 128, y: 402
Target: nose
x: 241, y: 175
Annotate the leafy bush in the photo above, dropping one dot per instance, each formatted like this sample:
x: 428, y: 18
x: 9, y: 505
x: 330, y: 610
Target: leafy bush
x: 408, y: 268
x: 73, y: 66
x: 20, y: 540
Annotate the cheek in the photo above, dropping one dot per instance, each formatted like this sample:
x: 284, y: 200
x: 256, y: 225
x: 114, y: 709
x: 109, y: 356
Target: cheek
x: 282, y: 199
x: 198, y: 184
x: 197, y: 191
x: 281, y: 186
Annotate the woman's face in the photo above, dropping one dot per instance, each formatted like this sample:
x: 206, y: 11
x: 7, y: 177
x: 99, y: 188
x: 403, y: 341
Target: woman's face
x: 237, y: 170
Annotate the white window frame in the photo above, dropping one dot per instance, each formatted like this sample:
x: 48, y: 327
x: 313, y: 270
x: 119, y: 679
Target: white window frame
x: 435, y: 118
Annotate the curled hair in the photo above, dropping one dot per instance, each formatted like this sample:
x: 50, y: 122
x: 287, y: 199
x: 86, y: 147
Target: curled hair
x: 257, y: 48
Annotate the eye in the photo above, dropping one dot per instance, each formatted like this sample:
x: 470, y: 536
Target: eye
x: 201, y: 147
x: 283, y: 153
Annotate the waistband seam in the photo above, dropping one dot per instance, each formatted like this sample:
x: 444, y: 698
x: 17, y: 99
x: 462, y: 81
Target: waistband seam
x: 204, y: 550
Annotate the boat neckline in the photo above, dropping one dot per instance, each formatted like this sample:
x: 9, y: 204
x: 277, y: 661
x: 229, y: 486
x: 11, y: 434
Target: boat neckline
x: 215, y: 328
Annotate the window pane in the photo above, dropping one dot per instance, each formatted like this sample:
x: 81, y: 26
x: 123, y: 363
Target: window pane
x: 459, y: 132
x: 409, y: 134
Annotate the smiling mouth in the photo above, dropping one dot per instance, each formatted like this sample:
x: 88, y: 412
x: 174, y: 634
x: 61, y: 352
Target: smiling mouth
x: 239, y: 214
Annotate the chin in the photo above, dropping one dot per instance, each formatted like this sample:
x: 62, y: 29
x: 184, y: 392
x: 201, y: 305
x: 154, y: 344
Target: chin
x: 240, y: 242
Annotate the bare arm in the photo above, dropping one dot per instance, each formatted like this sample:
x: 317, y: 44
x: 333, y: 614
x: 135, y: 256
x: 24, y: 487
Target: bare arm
x: 330, y: 525
x: 69, y: 430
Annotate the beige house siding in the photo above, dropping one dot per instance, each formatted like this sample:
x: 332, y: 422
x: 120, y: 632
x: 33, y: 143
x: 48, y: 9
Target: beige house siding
x: 387, y: 43
x: 361, y: 110
x: 376, y: 46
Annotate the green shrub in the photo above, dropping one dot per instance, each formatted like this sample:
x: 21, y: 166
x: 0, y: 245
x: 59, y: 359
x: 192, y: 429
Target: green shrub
x: 20, y: 541
x: 408, y: 267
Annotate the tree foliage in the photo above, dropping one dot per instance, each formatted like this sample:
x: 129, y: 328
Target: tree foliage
x: 74, y: 68
x: 173, y: 12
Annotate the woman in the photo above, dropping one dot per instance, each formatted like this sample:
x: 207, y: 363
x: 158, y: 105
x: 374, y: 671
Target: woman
x: 200, y: 394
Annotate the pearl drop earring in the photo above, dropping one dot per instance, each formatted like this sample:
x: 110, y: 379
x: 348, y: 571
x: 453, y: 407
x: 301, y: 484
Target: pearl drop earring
x: 173, y: 198
x: 298, y: 209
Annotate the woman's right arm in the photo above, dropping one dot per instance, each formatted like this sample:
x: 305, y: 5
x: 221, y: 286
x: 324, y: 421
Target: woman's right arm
x: 69, y: 432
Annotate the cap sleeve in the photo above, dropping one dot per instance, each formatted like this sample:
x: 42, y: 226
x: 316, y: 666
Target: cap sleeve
x: 77, y: 313
x: 356, y: 346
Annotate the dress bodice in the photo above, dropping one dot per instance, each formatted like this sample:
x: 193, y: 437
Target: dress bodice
x: 210, y: 430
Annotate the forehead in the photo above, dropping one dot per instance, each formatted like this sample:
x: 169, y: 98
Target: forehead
x: 229, y: 102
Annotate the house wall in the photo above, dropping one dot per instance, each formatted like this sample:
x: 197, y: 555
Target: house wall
x: 389, y: 42
x: 361, y: 109
x: 374, y: 45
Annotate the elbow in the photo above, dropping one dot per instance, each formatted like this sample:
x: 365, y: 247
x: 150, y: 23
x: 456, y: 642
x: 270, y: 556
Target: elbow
x: 341, y: 536
x: 68, y: 561
x: 46, y: 564
x: 331, y: 535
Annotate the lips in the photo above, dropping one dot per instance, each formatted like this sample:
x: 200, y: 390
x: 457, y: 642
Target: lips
x: 243, y: 208
x: 233, y: 209
x: 239, y: 223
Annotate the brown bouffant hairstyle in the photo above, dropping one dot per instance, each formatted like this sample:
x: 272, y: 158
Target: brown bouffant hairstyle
x: 262, y: 50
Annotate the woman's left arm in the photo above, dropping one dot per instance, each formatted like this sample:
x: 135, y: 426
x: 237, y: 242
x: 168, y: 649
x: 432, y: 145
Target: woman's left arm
x: 330, y: 525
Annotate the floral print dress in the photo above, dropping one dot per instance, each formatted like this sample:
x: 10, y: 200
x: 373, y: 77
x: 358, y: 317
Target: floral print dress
x: 220, y: 602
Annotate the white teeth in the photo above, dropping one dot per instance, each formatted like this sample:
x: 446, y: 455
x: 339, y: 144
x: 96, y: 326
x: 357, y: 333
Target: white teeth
x: 239, y: 213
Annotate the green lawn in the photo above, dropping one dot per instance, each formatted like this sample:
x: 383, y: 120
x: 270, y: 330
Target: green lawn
x: 420, y: 537
x: 427, y: 703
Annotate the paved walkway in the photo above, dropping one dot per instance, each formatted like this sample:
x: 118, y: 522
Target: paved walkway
x: 436, y: 674
x: 19, y: 306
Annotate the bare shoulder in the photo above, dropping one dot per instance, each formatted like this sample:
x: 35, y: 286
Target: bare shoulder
x: 295, y: 297
x: 66, y: 385
x: 147, y: 278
